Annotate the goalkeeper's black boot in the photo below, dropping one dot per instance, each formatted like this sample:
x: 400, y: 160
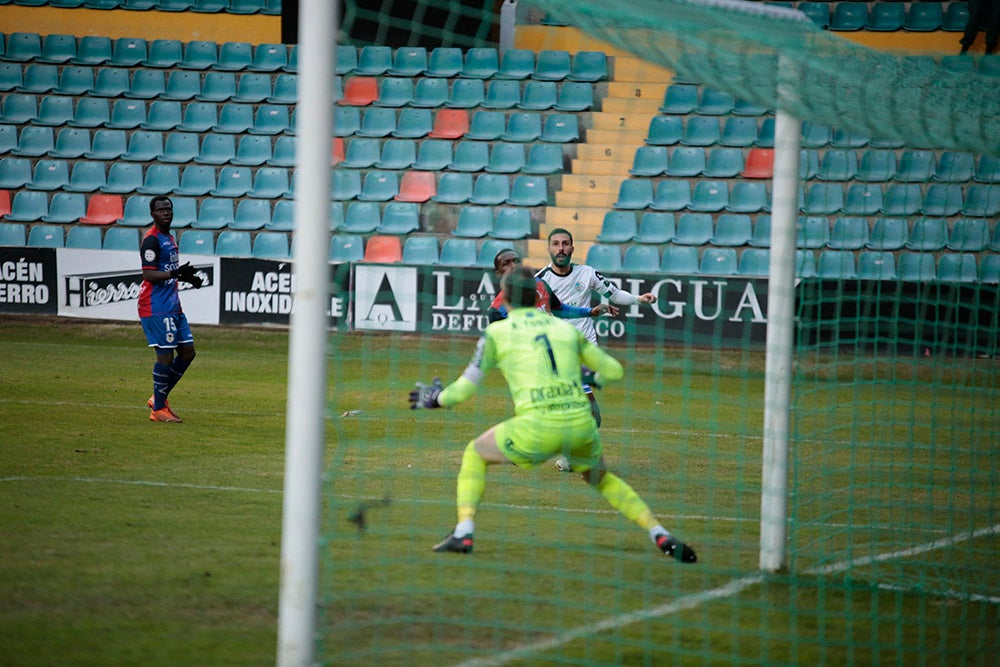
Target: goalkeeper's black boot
x: 459, y: 545
x: 675, y: 549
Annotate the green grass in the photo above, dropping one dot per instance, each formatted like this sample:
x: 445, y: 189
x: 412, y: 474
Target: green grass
x: 126, y: 542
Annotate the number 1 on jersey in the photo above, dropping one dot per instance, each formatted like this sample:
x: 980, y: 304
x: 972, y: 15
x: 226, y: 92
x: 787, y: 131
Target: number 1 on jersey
x: 543, y: 341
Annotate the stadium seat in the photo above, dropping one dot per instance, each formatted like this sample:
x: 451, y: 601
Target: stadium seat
x: 92, y: 50
x: 197, y: 242
x: 888, y: 234
x: 516, y: 64
x: 233, y: 243
x: 458, y: 252
x: 942, y: 199
x: 75, y: 80
x: 679, y: 99
x: 128, y: 52
x: 506, y: 158
x: 812, y: 232
x: 394, y: 92
x: 886, y: 17
x: 981, y: 201
x: 362, y: 217
x: 199, y: 55
x: 958, y: 268
x: 270, y: 245
x: 49, y: 175
x: 399, y: 218
x: 360, y: 153
x: 523, y: 127
x: 575, y: 97
x: 164, y: 53
x: 235, y: 119
x: 710, y: 196
x: 123, y: 178
x: 474, y: 222
x: 759, y: 163
x: 501, y: 94
x: 664, y: 131
x: 196, y: 181
x: 694, y: 229
x: 12, y: 234
x: 511, y: 224
x: 956, y: 17
x: 83, y: 238
x: 969, y: 235
x: 285, y: 89
x: 444, y: 62
x: 490, y: 190
x: 416, y: 187
x: 679, y: 260
x: 185, y: 211
x: 111, y: 82
x: 373, y: 60
x: 989, y: 268
x: 127, y: 114
x: 605, y: 258
x: 701, y: 131
x: 383, y: 249
x: 284, y: 150
x: 57, y: 49
x: 163, y: 116
x: 849, y: 16
x: 466, y: 94
x: 838, y: 165
x: 421, y: 250
x: 954, y: 167
x: 634, y: 193
x: 34, y: 142
x: 86, y: 177
x: 379, y: 186
x: 924, y: 17
x: 19, y: 109
x: 560, y: 128
x: 104, y: 209
x: 283, y: 216
x: 136, y: 212
x: 685, y: 162
x: 377, y: 122
x: 618, y: 227
x: 718, y: 262
x: 454, y: 188
x: 995, y: 239
x: 824, y: 199
x: 182, y: 86
x: 528, y: 191
x: 470, y: 156
x: 815, y: 135
x: 216, y: 149
x: 232, y: 182
x: 845, y: 139
x: 234, y: 56
x: 916, y: 267
x: 808, y: 164
x: 544, y: 159
x: 929, y: 234
x: 915, y: 166
x: 144, y: 146
x: 538, y: 96
x: 671, y: 195
x: 410, y: 61
x: 450, y: 124
x: 430, y: 93
x: 748, y: 197
x: 902, y: 199
x: 765, y: 135
x: 754, y: 262
x: 15, y: 172
x: 877, y: 265
x: 217, y: 87
x: 714, y: 102
x: 876, y: 165
x: 413, y: 124
x: 46, y: 236
x: 641, y: 259
x: 848, y: 233
x: 180, y: 147
x: 121, y: 238
x: 199, y: 117
x: 486, y: 126
x: 345, y: 185
x: 723, y: 163
x: 159, y: 179
x: 397, y: 154
x: 269, y: 183
x: 28, y: 206
x: 732, y: 229
x: 738, y: 132
x: 23, y: 46
x: 480, y: 63
x: 863, y: 199
x: 805, y: 263
x: 215, y: 213
x: 655, y: 228
x: 38, y: 78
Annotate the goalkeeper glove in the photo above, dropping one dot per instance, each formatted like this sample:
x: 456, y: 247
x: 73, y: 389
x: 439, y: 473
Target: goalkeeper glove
x: 187, y: 273
x: 426, y: 395
x: 590, y: 377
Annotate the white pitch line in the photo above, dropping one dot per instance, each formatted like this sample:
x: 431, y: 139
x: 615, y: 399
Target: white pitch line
x: 684, y: 603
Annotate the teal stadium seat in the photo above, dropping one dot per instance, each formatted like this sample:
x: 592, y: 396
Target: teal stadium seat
x: 589, y: 66
x: 183, y: 86
x: 409, y: 61
x: 664, y: 131
x: 818, y: 12
x: 34, y: 142
x: 75, y: 80
x: 635, y: 194
x: 235, y: 118
x: 490, y: 190
x: 679, y: 99
x: 160, y: 179
x: 877, y: 265
x: 345, y: 185
x: 49, y: 175
x: 748, y: 197
x: 433, y: 155
x: 379, y: 186
x: 231, y: 243
x: 430, y: 93
x: 523, y: 127
x: 199, y: 55
x: 915, y: 166
x: 958, y: 268
x: 196, y: 181
x: 864, y: 199
x: 394, y: 92
x: 847, y: 139
x: 849, y: 16
x: 361, y: 153
x: 10, y: 77
x: 848, y: 233
x: 954, y: 167
x: 92, y: 50
x: 474, y: 222
x: 197, y: 242
x: 270, y: 245
x: 876, y: 165
x: 838, y: 165
x: 655, y: 228
x: 214, y: 214
x: 270, y: 183
x: 199, y: 117
x: 516, y: 64
x: 377, y: 123
x: 19, y: 109
x: 362, y: 218
x: 121, y: 238
x: 942, y: 199
x: 217, y: 87
x: 57, y: 49
x: 718, y: 262
x: 47, y: 236
x: 812, y: 232
x: 421, y: 250
x: 815, y: 135
x: 754, y: 262
x: 694, y: 229
x: 528, y: 191
x: 575, y: 96
x: 12, y: 234
x: 86, y: 177
x: 924, y: 17
x: 216, y: 149
x: 511, y: 224
x: 347, y: 59
x: 888, y: 234
x: 605, y: 258
x: 679, y: 260
x: 902, y: 199
x: 618, y: 227
x: 39, y: 78
x: 701, y: 131
x: 641, y: 259
x: 123, y: 178
x: 916, y: 267
x: 886, y: 17
x: 544, y: 159
x: 454, y: 188
x: 284, y: 151
x: 480, y: 63
x: 373, y: 60
x: 413, y: 124
x: 538, y: 96
x: 956, y: 17
x: 981, y: 201
x: 560, y: 128
x: 14, y: 172
x: 55, y: 111
x: 506, y: 158
x: 671, y: 195
x: 164, y: 53
x: 232, y: 181
x: 824, y: 199
x: 724, y: 162
x: 23, y: 46
x: 397, y: 154
x: 128, y: 52
x: 458, y: 252
x: 144, y: 146
x: 180, y: 147
x: 28, y: 206
x: 732, y: 229
x: 84, y: 238
x: 234, y: 56
x: 714, y: 102
x: 444, y: 62
x: 685, y: 162
x: 929, y: 234
x: 969, y: 235
x: 989, y: 268
x: 710, y: 196
x: 466, y: 94
x: 399, y: 218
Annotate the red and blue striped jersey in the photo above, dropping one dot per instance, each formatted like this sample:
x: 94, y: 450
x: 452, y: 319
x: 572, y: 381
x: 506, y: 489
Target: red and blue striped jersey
x: 159, y: 253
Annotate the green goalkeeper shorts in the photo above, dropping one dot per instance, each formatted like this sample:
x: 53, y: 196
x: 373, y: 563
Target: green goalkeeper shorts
x: 532, y: 439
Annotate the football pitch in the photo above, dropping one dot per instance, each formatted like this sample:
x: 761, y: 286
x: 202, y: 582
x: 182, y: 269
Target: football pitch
x: 126, y: 542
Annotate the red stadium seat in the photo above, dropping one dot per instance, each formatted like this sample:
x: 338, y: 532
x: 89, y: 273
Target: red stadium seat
x: 416, y: 186
x: 386, y: 249
x: 360, y: 91
x: 104, y: 210
x: 450, y: 124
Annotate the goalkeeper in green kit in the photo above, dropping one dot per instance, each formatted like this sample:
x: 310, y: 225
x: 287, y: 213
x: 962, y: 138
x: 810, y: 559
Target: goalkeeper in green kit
x: 540, y: 358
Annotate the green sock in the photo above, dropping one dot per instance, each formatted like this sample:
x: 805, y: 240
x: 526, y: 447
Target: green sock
x: 623, y: 498
x: 471, y: 482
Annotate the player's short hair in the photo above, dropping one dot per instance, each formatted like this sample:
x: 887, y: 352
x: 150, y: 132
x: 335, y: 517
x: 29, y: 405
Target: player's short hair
x: 156, y: 200
x: 560, y: 230
x: 519, y: 287
x: 503, y: 251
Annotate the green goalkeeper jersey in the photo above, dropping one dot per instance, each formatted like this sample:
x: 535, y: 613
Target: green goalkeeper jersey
x: 540, y: 358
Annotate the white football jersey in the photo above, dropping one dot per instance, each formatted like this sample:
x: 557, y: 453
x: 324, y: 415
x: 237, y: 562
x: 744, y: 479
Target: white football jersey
x: 576, y: 287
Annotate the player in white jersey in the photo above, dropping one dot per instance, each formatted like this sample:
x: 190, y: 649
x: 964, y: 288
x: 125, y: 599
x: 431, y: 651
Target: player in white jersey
x: 575, y: 284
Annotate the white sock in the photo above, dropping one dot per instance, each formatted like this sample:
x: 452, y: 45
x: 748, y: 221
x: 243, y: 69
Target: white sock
x: 464, y: 528
x: 656, y: 531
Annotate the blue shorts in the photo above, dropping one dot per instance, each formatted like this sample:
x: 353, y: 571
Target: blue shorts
x: 167, y: 331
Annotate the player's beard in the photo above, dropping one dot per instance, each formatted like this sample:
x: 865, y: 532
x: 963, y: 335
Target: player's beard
x: 561, y: 260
